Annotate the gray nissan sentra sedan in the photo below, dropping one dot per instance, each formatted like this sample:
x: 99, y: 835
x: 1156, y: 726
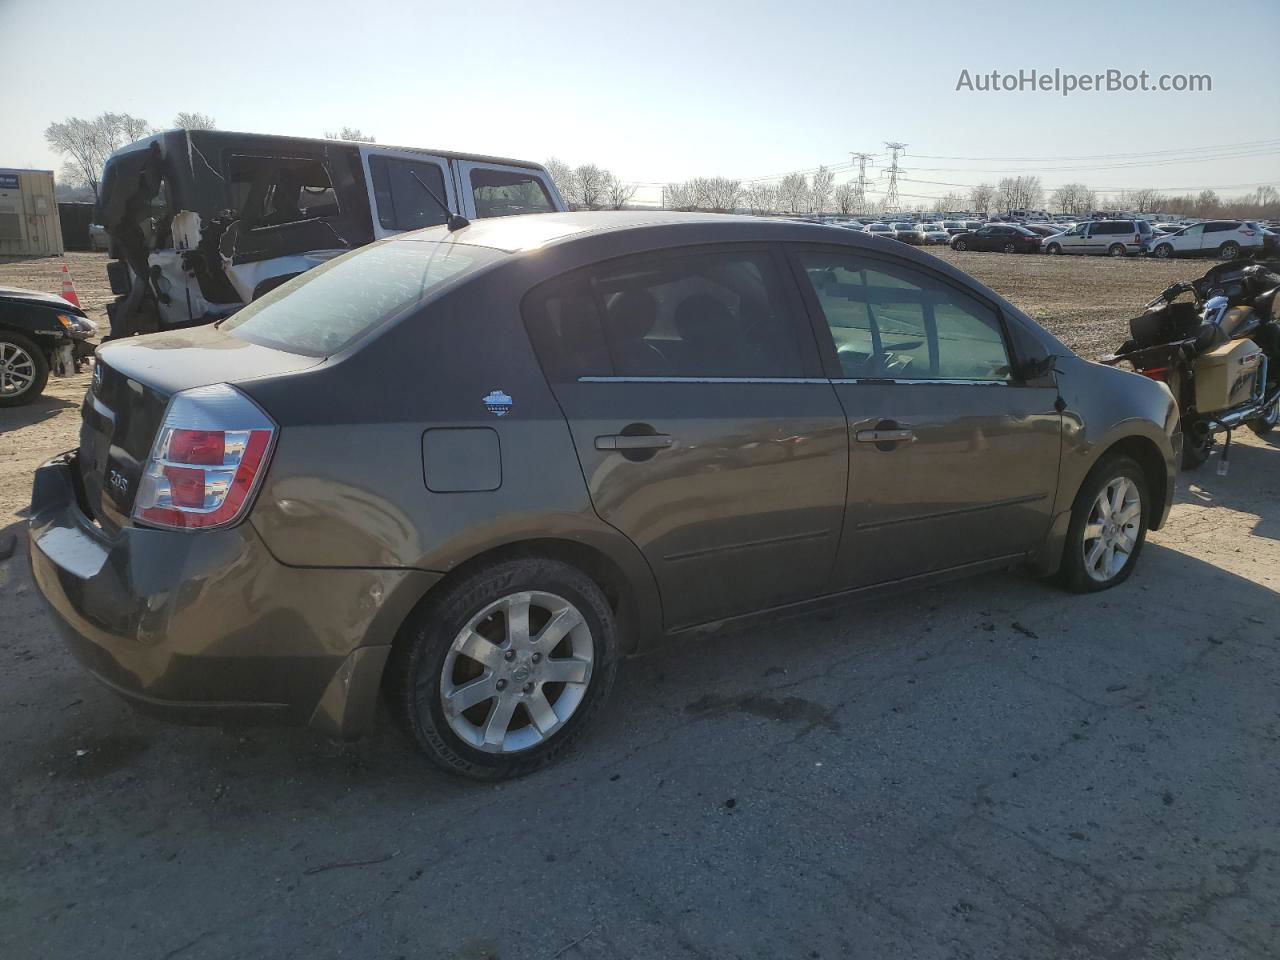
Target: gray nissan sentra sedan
x: 469, y: 471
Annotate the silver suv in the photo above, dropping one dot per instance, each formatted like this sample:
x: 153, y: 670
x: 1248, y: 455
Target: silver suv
x: 1112, y: 238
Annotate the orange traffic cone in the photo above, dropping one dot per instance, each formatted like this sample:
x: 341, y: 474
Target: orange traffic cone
x: 69, y: 287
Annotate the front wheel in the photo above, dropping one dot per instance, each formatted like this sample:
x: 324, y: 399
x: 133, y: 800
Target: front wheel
x: 1010, y: 248
x: 959, y: 245
x: 1108, y: 526
x: 1229, y: 250
x: 1053, y: 249
x: 500, y: 674
x: 1164, y: 251
x: 1116, y: 250
x: 23, y: 370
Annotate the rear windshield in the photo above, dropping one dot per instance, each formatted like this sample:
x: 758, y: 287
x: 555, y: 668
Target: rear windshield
x: 324, y: 310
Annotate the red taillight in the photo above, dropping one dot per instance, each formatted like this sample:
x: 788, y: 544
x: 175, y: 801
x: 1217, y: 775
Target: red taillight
x: 1137, y: 238
x: 197, y: 446
x: 1156, y: 373
x: 206, y: 461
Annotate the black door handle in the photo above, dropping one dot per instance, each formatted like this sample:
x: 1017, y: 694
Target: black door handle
x: 626, y: 441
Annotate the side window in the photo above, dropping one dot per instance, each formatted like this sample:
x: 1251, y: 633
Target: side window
x: 401, y: 201
x: 1193, y: 231
x: 694, y: 314
x: 891, y: 321
x: 502, y: 193
x: 273, y: 191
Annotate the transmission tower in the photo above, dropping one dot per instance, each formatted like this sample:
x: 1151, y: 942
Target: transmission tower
x: 891, y: 192
x: 860, y: 185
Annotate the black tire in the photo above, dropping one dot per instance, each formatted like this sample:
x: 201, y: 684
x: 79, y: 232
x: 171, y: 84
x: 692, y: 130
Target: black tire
x: 959, y: 245
x: 1073, y: 573
x: 1116, y: 250
x: 412, y: 681
x: 1053, y: 249
x: 1010, y: 248
x: 1196, y: 446
x: 1229, y: 250
x: 1164, y: 251
x: 39, y: 364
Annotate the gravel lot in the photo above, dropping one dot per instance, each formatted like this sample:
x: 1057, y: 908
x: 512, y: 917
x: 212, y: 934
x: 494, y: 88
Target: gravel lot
x: 986, y: 769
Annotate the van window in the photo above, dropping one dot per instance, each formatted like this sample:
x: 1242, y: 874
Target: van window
x: 502, y: 193
x: 891, y: 321
x: 271, y: 191
x: 401, y: 201
x: 322, y: 311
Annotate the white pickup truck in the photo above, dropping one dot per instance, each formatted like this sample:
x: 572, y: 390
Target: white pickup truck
x: 202, y: 222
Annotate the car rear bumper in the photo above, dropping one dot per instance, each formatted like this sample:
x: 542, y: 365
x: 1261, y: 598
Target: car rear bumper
x: 209, y: 626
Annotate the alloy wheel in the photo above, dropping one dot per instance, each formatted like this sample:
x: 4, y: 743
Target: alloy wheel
x: 17, y: 370
x: 517, y: 672
x: 1111, y: 533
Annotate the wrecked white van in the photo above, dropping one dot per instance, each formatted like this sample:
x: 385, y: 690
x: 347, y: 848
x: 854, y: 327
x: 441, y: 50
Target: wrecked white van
x: 202, y: 222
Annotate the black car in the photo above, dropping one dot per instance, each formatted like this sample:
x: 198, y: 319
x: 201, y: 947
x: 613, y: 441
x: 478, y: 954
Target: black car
x: 39, y: 334
x: 1002, y: 237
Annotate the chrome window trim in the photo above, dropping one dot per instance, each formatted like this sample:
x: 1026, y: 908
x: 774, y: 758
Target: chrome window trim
x: 810, y: 380
x: 960, y: 383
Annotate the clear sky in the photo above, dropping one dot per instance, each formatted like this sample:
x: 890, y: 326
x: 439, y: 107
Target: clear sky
x: 661, y: 91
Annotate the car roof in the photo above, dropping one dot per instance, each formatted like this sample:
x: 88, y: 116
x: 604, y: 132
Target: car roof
x: 536, y: 230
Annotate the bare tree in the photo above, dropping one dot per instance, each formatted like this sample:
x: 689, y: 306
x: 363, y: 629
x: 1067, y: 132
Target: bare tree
x: 87, y: 143
x: 759, y: 198
x: 820, y: 191
x: 793, y: 193
x: 678, y: 196
x: 1073, y: 198
x: 194, y: 121
x: 1019, y: 193
x: 562, y: 176
x: 982, y: 197
x: 1144, y: 200
x: 616, y: 193
x: 844, y: 197
x: 589, y: 186
x: 951, y: 202
x: 1207, y: 203
x: 350, y: 133
x: 719, y: 194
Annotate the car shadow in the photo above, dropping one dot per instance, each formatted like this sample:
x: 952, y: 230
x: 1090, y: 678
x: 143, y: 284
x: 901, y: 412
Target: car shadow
x: 41, y: 408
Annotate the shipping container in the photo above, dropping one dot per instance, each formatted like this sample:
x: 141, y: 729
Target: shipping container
x: 28, y: 214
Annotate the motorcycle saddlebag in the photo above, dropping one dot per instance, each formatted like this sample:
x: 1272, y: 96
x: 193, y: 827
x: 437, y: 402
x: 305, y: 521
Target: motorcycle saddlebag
x: 1165, y: 324
x: 1227, y: 375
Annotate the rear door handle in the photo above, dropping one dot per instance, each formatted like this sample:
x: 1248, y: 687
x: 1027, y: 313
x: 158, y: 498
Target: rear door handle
x: 626, y: 441
x: 901, y: 435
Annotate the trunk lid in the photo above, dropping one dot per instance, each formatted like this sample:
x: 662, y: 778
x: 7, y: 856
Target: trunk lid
x: 133, y: 380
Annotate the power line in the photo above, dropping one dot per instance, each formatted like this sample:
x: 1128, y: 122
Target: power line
x: 860, y: 185
x: 1110, y: 156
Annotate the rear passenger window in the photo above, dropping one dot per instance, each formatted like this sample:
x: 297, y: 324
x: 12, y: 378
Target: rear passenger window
x: 893, y: 322
x: 502, y: 193
x: 402, y: 202
x: 687, y: 315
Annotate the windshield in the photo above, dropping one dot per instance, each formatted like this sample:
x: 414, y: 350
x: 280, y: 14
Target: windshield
x: 324, y: 310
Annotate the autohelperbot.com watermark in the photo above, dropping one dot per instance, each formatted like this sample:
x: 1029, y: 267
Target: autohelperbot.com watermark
x: 1065, y: 83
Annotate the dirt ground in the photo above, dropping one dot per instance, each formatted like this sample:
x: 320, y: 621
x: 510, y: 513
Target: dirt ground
x: 982, y: 770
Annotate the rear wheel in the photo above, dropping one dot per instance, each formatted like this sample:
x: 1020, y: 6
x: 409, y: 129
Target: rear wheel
x: 1163, y: 251
x: 500, y: 674
x: 23, y: 370
x: 1116, y: 250
x: 1108, y: 526
x: 1229, y: 250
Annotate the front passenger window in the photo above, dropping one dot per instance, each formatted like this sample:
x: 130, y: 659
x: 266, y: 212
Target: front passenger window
x: 890, y: 321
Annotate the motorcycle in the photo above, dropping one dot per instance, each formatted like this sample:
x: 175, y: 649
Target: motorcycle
x: 1219, y: 355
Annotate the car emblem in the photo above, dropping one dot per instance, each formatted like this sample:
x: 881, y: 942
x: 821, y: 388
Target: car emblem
x: 498, y: 403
